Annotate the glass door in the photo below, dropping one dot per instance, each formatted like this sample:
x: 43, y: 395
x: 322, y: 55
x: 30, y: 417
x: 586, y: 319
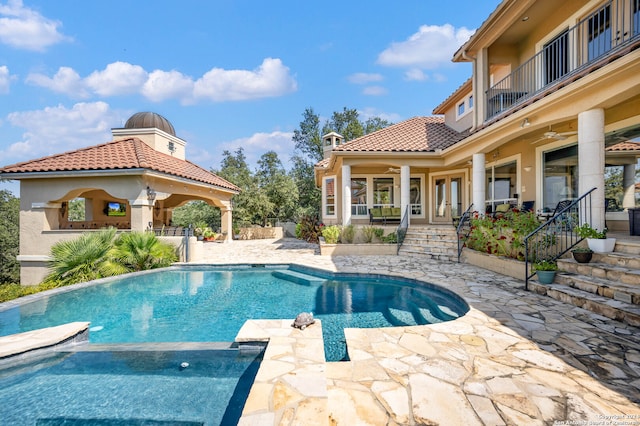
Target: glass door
x: 447, y: 198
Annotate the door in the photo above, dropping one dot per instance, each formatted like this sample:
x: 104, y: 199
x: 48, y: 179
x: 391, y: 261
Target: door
x: 447, y: 198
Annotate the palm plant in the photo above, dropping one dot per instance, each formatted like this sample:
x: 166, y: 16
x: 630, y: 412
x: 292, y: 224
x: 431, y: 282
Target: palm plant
x: 138, y: 251
x: 83, y: 259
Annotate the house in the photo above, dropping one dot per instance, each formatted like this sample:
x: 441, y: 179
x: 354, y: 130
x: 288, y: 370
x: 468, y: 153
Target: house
x: 553, y: 101
x: 131, y: 183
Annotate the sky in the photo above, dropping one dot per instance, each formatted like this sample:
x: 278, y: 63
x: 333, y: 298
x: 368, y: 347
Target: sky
x: 226, y: 74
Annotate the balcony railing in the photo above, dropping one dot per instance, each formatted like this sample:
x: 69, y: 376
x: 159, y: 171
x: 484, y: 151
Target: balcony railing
x: 597, y: 38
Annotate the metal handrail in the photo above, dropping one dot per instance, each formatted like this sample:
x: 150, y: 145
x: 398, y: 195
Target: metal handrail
x: 401, y: 231
x: 465, y: 218
x: 557, y: 235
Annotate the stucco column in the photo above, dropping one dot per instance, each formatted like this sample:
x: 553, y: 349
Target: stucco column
x: 479, y: 177
x: 141, y: 214
x: 629, y: 185
x: 226, y: 223
x: 591, y: 161
x: 405, y: 189
x: 346, y: 195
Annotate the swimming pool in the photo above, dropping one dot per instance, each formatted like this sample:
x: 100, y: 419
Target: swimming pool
x: 112, y: 386
x: 210, y: 304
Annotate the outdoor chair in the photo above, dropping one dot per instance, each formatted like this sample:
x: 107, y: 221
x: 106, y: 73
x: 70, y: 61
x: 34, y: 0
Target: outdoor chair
x: 527, y: 206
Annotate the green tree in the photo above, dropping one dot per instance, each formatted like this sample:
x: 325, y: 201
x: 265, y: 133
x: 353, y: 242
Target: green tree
x: 345, y: 123
x: 9, y: 237
x: 307, y: 139
x: 375, y: 123
x: 279, y: 187
x: 613, y: 183
x: 196, y: 212
x: 235, y: 169
x: 76, y: 210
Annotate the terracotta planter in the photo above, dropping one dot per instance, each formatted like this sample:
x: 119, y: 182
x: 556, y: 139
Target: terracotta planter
x: 604, y: 245
x: 546, y: 277
x: 582, y: 257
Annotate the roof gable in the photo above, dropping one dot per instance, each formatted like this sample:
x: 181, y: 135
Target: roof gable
x: 124, y: 154
x: 417, y: 134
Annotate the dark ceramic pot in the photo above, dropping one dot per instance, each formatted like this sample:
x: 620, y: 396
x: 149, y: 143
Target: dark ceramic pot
x: 582, y: 257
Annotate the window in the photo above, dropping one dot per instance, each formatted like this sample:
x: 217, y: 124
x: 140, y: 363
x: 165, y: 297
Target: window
x: 330, y: 197
x: 471, y: 98
x: 76, y: 210
x: 599, y: 28
x: 636, y: 16
x: 460, y: 109
x: 415, y: 197
x: 556, y: 58
x: 383, y: 192
x: 560, y: 176
x: 359, y: 196
x: 500, y: 185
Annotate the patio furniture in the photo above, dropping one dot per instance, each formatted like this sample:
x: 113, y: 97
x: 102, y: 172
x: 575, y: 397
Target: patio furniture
x: 384, y: 214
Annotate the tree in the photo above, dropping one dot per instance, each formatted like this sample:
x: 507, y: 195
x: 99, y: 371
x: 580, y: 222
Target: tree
x: 196, y: 212
x: 139, y: 251
x: 235, y: 169
x: 9, y: 237
x: 345, y: 123
x: 307, y: 139
x: 375, y: 123
x: 279, y: 188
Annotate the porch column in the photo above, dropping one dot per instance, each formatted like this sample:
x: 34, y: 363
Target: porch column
x: 346, y: 195
x: 405, y: 190
x: 479, y: 176
x: 141, y: 214
x: 591, y: 161
x: 629, y: 185
x: 226, y: 223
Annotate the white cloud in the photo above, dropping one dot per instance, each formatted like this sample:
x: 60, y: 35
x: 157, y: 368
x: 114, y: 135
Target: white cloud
x: 374, y: 91
x: 270, y: 79
x: 5, y: 79
x: 364, y: 78
x: 162, y: 85
x: 370, y: 112
x: 24, y: 28
x: 431, y: 47
x: 259, y: 143
x: 58, y: 129
x: 415, y: 74
x: 66, y: 80
x: 118, y: 78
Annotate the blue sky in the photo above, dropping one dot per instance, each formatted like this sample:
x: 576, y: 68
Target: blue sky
x: 225, y: 73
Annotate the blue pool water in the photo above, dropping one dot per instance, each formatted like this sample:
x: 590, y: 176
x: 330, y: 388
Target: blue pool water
x: 210, y: 304
x: 109, y: 388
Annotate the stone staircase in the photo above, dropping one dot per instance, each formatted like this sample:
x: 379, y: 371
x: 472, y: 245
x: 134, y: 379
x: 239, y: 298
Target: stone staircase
x: 609, y: 285
x: 437, y: 242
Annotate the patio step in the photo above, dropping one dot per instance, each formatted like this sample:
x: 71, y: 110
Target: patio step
x: 609, y: 285
x: 437, y: 242
x: 298, y: 277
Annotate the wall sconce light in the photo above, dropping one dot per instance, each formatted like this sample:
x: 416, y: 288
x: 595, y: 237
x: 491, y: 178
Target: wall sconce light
x: 151, y: 194
x: 527, y: 168
x: 525, y: 123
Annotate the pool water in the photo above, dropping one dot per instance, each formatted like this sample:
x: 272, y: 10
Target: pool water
x: 210, y: 304
x: 129, y: 388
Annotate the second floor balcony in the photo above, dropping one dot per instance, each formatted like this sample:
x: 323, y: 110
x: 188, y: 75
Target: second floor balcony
x: 608, y: 33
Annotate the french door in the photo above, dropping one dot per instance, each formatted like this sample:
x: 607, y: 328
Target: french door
x: 447, y: 198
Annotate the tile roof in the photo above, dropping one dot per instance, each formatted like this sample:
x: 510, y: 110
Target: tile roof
x: 417, y: 134
x: 624, y: 146
x: 124, y: 154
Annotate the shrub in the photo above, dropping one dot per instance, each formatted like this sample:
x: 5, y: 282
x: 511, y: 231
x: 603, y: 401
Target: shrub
x: 379, y: 233
x: 504, y: 235
x: 545, y: 265
x: 310, y: 229
x: 391, y: 238
x: 368, y: 232
x: 348, y: 234
x: 586, y: 231
x: 331, y: 234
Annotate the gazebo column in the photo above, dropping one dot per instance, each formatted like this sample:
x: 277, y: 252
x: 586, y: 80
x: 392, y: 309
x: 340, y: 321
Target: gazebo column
x: 226, y: 223
x: 479, y: 177
x: 405, y: 189
x: 591, y: 160
x: 141, y: 214
x: 346, y: 195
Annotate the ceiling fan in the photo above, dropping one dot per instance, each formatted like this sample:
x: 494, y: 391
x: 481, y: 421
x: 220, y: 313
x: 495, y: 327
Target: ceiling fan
x: 392, y: 170
x: 552, y: 135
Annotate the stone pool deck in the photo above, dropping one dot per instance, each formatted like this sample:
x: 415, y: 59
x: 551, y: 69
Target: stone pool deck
x: 516, y: 358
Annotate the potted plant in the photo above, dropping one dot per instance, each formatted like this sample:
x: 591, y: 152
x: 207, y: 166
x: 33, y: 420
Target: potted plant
x: 597, y: 240
x: 582, y: 254
x: 209, y: 235
x: 545, y: 270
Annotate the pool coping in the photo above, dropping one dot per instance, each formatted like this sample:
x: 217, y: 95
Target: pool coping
x: 42, y: 339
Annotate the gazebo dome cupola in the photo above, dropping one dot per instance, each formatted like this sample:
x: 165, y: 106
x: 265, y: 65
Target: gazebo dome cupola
x: 154, y: 130
x: 330, y: 141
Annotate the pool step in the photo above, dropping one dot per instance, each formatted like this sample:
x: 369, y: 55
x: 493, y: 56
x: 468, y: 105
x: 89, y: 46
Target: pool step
x: 298, y: 277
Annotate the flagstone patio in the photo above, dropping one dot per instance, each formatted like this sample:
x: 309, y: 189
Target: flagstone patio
x: 515, y: 358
